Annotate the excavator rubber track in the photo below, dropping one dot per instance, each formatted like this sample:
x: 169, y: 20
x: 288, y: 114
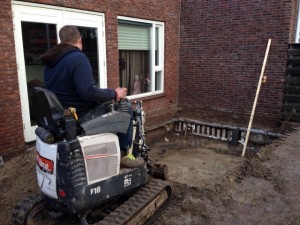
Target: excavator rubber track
x: 144, y: 207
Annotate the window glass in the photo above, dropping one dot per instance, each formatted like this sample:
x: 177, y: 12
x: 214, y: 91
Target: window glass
x: 139, y: 53
x: 37, y: 39
x: 158, y: 82
x: 134, y: 70
x: 90, y: 48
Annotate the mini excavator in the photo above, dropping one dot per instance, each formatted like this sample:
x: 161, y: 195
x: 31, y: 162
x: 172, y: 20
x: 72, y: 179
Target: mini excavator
x: 79, y: 174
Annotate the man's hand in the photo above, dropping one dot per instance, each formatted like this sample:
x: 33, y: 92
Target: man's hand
x: 121, y: 93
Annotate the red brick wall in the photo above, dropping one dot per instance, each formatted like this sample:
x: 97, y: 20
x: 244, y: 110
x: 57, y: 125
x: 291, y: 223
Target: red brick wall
x: 11, y: 129
x: 222, y: 49
x: 167, y: 11
x: 223, y: 45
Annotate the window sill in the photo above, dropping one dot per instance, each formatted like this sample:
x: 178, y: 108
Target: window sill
x: 147, y: 97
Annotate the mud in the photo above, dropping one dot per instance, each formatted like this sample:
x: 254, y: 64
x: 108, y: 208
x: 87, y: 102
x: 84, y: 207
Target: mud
x: 212, y: 183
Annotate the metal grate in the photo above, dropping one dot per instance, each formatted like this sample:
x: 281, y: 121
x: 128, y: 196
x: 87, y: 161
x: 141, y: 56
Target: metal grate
x: 205, y: 130
x: 221, y: 132
x: 101, y: 161
x: 101, y: 168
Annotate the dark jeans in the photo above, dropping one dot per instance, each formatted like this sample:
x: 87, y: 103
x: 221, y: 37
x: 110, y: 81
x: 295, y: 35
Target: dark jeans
x: 124, y: 139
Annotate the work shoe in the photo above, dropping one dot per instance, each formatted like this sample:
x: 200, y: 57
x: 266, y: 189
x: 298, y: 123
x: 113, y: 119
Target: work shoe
x: 130, y: 161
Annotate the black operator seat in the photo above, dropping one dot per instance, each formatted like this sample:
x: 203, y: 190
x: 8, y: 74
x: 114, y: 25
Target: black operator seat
x: 49, y: 112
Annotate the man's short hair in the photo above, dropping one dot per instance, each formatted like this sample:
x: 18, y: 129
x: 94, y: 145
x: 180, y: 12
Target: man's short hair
x: 69, y: 34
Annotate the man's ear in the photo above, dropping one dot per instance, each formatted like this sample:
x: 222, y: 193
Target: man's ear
x: 79, y: 43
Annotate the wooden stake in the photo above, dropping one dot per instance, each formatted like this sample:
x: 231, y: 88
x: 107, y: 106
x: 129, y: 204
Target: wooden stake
x: 256, y: 97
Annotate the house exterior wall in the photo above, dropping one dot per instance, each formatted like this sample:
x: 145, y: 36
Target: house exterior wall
x: 157, y: 108
x: 223, y: 45
x: 11, y: 128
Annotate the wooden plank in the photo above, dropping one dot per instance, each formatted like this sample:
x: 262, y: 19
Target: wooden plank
x: 256, y: 97
x: 293, y: 71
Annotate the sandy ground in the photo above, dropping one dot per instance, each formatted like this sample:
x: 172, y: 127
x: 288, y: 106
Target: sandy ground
x: 212, y: 184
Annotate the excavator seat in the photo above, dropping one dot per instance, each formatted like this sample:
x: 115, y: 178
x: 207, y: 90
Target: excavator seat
x: 49, y: 112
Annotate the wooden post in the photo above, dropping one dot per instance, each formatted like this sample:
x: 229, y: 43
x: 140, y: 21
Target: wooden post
x: 256, y: 97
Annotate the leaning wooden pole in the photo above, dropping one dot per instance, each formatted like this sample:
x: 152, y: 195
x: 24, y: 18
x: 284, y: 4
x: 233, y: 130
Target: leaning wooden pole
x: 256, y: 97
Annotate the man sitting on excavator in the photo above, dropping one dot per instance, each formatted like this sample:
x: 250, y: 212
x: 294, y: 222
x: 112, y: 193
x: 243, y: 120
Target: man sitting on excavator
x: 68, y: 73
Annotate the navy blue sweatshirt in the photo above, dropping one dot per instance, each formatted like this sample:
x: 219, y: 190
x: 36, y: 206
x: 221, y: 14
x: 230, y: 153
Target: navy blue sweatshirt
x: 68, y: 73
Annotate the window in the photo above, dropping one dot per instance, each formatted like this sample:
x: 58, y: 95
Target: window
x: 141, y: 56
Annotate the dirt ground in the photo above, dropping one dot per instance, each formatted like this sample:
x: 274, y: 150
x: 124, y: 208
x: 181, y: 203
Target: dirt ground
x: 212, y: 184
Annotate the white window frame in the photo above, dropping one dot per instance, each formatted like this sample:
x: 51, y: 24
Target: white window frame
x: 153, y: 68
x: 297, y: 36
